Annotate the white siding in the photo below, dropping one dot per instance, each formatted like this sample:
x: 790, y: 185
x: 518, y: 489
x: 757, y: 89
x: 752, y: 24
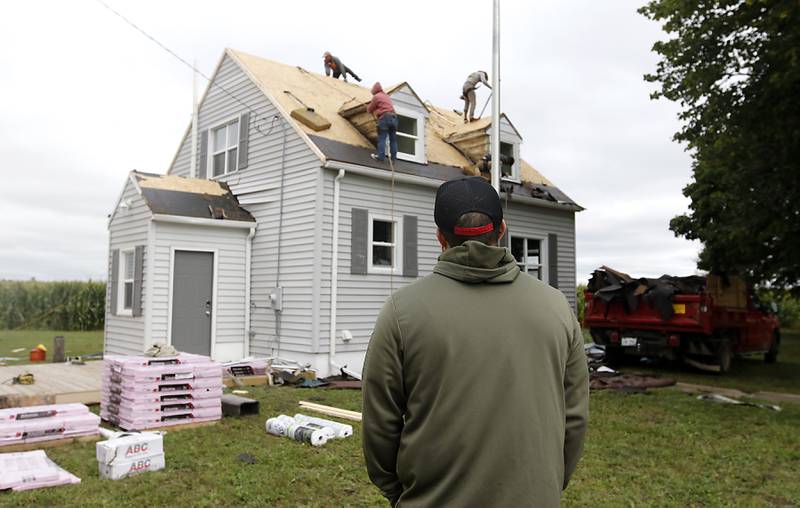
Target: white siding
x: 128, y: 228
x: 229, y: 245
x: 524, y: 220
x: 361, y: 297
x: 404, y: 98
x: 274, y: 148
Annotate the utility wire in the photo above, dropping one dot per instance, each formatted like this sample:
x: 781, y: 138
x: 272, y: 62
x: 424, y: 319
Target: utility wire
x: 184, y: 62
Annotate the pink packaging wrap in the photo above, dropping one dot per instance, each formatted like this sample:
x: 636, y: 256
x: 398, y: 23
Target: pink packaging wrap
x: 44, y: 429
x: 31, y: 470
x: 138, y: 422
x: 34, y: 412
x: 119, y: 396
x: 155, y: 407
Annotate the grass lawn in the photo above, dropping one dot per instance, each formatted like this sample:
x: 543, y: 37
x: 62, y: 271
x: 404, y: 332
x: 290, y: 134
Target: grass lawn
x: 76, y: 343
x: 749, y: 374
x: 658, y: 448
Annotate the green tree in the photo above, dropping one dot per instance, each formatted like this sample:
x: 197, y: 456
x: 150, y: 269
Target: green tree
x: 734, y: 68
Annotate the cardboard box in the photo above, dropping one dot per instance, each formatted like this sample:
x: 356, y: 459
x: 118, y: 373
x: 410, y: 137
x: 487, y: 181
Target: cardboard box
x: 130, y: 447
x: 120, y: 470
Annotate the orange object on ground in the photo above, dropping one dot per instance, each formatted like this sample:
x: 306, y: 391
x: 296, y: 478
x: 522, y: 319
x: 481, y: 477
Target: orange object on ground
x: 38, y: 355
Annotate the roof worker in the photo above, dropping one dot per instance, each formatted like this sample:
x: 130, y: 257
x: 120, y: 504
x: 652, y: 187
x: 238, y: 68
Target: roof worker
x: 335, y: 66
x: 382, y: 108
x: 475, y: 382
x: 468, y: 92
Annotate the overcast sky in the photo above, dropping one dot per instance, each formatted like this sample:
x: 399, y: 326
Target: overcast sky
x: 85, y: 99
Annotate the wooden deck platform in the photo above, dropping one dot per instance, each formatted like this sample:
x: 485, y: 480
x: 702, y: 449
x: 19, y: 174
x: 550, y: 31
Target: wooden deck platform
x: 55, y: 383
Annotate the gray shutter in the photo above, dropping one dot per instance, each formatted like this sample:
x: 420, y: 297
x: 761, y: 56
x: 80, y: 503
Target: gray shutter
x: 244, y: 139
x: 552, y: 259
x: 112, y: 280
x: 201, y: 170
x: 410, y: 268
x: 358, y: 241
x: 138, y: 270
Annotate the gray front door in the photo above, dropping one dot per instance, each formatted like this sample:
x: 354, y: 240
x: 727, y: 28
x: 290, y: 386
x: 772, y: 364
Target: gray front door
x: 192, y: 283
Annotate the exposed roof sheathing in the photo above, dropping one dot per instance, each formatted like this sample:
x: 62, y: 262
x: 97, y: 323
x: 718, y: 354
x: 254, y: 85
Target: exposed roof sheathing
x: 190, y: 197
x: 178, y: 183
x: 331, y: 98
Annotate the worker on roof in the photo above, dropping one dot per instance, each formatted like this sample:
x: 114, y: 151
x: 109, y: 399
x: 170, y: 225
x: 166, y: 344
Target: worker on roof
x: 475, y: 383
x: 468, y: 93
x: 381, y: 106
x: 335, y: 66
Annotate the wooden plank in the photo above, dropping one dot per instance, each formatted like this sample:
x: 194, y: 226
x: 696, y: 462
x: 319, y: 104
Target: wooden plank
x: 331, y: 411
x: 24, y: 447
x: 53, y: 383
x: 232, y: 382
x: 169, y: 428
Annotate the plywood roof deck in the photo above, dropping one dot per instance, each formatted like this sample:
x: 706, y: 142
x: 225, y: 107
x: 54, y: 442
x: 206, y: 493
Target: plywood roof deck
x: 344, y: 105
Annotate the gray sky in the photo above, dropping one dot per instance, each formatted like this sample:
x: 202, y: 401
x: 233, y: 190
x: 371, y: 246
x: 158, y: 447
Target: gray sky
x: 85, y: 99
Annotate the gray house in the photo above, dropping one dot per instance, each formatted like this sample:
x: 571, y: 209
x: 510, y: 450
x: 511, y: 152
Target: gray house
x: 280, y: 236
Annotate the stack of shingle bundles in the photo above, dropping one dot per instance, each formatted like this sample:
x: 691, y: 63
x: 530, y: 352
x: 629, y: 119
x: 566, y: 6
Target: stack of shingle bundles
x: 31, y: 470
x: 43, y: 423
x: 142, y: 392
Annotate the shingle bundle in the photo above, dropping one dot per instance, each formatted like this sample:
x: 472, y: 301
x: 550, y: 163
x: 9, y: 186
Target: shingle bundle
x: 31, y: 470
x: 33, y: 424
x: 142, y: 392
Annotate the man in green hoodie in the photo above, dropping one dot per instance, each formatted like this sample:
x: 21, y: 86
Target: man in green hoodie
x: 475, y: 382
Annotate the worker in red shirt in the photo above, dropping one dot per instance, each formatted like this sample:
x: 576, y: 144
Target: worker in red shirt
x: 381, y: 106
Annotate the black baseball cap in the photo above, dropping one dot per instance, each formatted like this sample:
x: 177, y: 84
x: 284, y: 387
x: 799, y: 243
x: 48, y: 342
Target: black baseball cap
x: 467, y: 195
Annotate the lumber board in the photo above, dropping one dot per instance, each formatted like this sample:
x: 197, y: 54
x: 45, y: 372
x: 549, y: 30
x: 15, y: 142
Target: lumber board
x: 54, y: 384
x: 331, y: 411
x: 24, y: 447
x: 168, y: 428
x: 231, y: 382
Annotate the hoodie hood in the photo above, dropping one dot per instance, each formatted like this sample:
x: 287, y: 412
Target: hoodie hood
x: 377, y: 88
x: 475, y: 262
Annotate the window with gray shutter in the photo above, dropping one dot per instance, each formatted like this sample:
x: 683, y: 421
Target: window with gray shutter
x: 552, y: 259
x: 244, y: 139
x: 112, y: 280
x: 203, y: 162
x: 138, y: 271
x: 359, y: 220
x: 410, y: 265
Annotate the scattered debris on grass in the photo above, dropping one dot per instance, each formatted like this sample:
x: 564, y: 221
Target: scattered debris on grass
x: 721, y: 399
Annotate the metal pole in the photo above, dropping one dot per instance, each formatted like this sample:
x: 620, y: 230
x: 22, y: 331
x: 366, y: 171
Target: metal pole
x: 193, y: 171
x: 496, y: 97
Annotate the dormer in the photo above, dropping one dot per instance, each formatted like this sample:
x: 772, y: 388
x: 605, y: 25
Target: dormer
x: 474, y: 140
x: 412, y: 115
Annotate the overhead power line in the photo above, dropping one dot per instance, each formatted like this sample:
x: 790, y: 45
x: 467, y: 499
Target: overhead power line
x: 187, y: 64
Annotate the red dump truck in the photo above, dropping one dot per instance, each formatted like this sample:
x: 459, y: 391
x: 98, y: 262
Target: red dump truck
x: 702, y: 321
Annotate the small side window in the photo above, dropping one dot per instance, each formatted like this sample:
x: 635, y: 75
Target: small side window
x: 383, y: 250
x: 125, y: 301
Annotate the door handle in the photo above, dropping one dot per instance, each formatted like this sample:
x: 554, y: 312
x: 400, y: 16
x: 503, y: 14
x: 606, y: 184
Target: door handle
x: 208, y: 307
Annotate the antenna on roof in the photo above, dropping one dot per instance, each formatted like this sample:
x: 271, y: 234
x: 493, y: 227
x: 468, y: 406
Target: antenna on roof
x: 496, y: 164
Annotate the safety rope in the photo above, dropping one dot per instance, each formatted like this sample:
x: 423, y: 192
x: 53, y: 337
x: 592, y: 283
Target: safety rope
x: 394, y: 223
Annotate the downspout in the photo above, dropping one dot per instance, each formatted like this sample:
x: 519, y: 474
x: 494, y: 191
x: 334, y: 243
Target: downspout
x: 248, y: 249
x: 334, y: 272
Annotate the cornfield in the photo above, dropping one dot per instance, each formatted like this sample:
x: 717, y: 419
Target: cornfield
x: 67, y: 305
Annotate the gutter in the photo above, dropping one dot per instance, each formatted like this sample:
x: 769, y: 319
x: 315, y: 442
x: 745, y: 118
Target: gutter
x: 198, y: 221
x: 430, y: 182
x: 248, y: 249
x: 334, y: 272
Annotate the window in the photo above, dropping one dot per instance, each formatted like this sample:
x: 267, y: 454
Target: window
x: 507, y: 170
x: 224, y: 148
x: 126, y: 282
x: 529, y: 254
x: 411, y: 137
x: 383, y: 253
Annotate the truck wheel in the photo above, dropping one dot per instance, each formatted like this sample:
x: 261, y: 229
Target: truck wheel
x: 771, y: 356
x: 614, y: 356
x: 724, y: 356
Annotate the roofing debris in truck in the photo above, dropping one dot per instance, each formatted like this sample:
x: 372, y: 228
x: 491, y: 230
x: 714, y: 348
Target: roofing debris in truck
x: 608, y: 284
